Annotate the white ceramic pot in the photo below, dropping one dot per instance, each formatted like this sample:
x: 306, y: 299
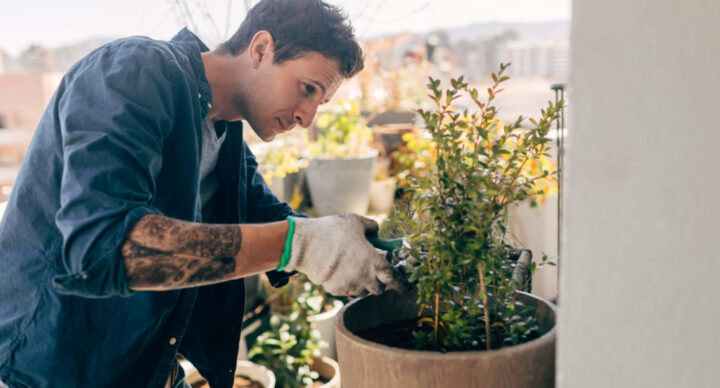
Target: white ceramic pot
x: 248, y: 369
x: 243, y: 347
x: 341, y: 185
x: 329, y: 370
x: 325, y: 323
x: 382, y: 194
x: 535, y: 228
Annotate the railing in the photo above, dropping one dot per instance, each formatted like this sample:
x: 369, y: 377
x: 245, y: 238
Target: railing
x: 559, y: 89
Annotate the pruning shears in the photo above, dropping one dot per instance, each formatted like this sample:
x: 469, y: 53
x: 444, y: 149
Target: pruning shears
x: 395, y: 255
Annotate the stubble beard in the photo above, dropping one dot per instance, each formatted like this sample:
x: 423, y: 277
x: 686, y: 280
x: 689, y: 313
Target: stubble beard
x: 241, y: 106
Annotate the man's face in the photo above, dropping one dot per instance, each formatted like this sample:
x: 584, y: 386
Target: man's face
x: 283, y: 95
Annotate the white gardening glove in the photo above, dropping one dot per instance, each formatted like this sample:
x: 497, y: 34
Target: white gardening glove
x: 333, y: 251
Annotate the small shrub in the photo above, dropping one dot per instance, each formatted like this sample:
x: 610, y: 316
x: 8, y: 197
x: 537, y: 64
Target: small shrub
x: 455, y: 218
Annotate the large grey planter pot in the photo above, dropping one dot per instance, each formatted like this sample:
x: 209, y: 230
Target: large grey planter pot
x: 368, y: 364
x: 340, y: 185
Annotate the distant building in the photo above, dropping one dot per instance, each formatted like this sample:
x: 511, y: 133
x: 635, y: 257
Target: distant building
x: 9, y: 64
x: 37, y: 59
x: 393, y: 51
x: 24, y: 96
x: 480, y: 57
x: 547, y: 58
x: 66, y: 56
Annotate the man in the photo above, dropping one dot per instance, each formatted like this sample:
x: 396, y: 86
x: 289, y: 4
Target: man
x: 138, y: 208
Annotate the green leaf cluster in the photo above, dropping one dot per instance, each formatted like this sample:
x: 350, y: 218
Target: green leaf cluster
x: 282, y: 156
x: 456, y: 218
x: 291, y: 342
x: 414, y: 157
x: 343, y: 132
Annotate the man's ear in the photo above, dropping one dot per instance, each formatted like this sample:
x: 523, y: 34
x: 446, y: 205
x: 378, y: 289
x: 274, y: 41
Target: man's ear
x: 261, y: 48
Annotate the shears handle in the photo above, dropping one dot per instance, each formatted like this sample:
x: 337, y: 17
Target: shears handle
x: 392, y: 246
x: 386, y: 244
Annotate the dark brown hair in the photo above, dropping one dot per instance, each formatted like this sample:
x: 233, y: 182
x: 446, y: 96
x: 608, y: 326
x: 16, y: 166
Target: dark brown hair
x: 298, y: 27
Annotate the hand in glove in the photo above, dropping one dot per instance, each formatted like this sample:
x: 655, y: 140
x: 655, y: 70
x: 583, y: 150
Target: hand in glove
x: 333, y: 251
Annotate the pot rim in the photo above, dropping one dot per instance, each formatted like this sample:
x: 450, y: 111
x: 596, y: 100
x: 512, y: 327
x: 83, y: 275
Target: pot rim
x: 548, y: 337
x: 334, y: 365
x: 371, y: 154
x: 192, y: 375
x: 337, y: 305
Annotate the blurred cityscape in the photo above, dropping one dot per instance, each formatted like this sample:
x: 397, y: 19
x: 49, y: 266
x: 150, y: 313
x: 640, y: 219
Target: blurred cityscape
x: 397, y: 67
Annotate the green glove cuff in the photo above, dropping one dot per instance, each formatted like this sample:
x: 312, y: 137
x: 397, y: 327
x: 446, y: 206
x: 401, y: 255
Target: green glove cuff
x: 288, y: 244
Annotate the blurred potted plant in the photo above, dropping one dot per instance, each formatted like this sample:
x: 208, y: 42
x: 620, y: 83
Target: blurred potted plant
x: 341, y: 169
x: 282, y: 163
x: 247, y: 374
x: 390, y: 96
x: 320, y: 307
x: 290, y: 345
x: 323, y: 309
x: 466, y: 325
x: 414, y: 158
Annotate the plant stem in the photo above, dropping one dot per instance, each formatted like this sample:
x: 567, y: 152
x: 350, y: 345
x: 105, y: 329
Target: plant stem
x: 483, y: 288
x: 509, y: 188
x: 437, y: 315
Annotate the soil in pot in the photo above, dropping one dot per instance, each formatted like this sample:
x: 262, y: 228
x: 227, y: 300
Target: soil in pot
x: 320, y: 382
x: 329, y: 372
x: 399, y: 334
x: 247, y: 375
x: 240, y: 382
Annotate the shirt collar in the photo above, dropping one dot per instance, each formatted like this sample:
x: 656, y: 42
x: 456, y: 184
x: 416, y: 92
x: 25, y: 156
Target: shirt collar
x: 195, y: 47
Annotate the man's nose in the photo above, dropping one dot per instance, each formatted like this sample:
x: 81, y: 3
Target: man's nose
x: 304, y: 114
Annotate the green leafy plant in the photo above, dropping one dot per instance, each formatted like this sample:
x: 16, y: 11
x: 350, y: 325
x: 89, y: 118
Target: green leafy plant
x: 291, y: 343
x: 456, y: 220
x: 282, y: 156
x: 414, y: 157
x: 343, y: 133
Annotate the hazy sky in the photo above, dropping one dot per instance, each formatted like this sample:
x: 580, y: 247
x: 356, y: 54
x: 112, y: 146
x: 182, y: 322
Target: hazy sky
x: 53, y: 23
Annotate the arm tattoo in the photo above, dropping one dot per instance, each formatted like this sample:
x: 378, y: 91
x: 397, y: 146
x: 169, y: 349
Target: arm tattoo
x: 164, y: 253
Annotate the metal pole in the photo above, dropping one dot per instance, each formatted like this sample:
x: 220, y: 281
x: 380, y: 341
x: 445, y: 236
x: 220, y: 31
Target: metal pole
x: 560, y: 125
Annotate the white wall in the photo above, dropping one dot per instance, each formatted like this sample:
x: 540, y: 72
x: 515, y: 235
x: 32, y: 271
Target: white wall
x: 639, y: 276
x: 536, y: 228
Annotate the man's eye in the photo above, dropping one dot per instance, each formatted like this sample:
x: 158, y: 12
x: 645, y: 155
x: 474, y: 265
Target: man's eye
x: 309, y: 89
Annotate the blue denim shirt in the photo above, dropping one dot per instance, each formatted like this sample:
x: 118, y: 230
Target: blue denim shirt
x: 120, y: 139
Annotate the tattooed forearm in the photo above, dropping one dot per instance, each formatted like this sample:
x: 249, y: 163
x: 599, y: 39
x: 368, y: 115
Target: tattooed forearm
x: 164, y: 253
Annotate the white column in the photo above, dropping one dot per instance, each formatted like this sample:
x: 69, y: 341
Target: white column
x: 640, y: 272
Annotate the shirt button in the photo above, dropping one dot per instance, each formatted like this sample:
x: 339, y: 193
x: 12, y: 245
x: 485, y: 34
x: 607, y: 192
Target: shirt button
x: 199, y: 95
x: 209, y: 105
x: 172, y: 341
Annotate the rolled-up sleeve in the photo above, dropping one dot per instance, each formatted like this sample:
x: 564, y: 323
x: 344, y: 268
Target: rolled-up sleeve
x: 114, y: 114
